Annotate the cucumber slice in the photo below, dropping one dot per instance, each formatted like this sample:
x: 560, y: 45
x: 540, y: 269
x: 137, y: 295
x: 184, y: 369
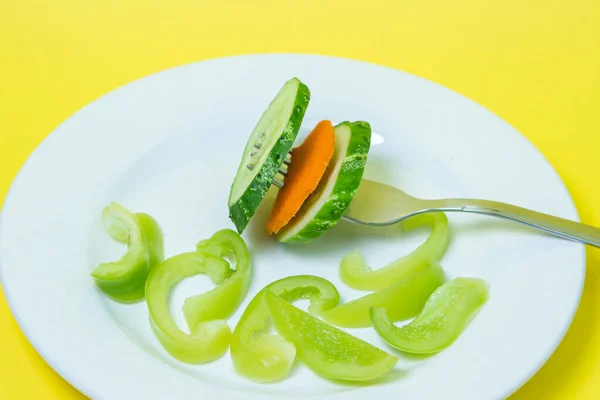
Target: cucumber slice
x: 326, y: 205
x: 267, y: 147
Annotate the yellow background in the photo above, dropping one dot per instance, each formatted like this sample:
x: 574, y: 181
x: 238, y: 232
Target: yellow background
x: 534, y: 63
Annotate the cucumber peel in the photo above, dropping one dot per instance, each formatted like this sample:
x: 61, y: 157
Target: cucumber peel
x: 267, y: 148
x: 328, y: 203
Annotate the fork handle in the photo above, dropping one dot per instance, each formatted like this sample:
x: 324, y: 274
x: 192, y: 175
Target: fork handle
x: 563, y: 228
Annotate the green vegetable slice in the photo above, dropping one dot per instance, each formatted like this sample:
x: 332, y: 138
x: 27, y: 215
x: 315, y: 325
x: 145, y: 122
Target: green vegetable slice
x: 355, y: 272
x: 326, y: 205
x: 445, y: 315
x: 228, y: 245
x: 264, y: 357
x: 210, y: 335
x: 267, y: 148
x: 402, y: 300
x: 124, y: 280
x: 328, y: 351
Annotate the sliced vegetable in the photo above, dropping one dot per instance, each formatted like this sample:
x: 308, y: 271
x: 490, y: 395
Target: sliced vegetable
x: 124, y: 280
x: 355, y: 272
x: 328, y: 351
x: 228, y: 245
x: 264, y: 357
x: 310, y: 160
x: 260, y: 357
x: 267, y: 147
x: 446, y: 314
x: 402, y: 300
x: 154, y: 239
x: 210, y: 335
x: 326, y: 205
x: 209, y: 340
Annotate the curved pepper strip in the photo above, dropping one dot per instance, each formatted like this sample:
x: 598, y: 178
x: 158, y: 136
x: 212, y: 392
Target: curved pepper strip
x: 228, y: 245
x: 210, y: 335
x: 355, y: 272
x: 264, y: 357
x: 327, y: 350
x: 402, y: 300
x: 124, y: 279
x: 209, y: 340
x: 445, y: 315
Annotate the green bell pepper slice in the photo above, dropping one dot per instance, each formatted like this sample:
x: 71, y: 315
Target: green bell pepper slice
x: 402, y: 300
x: 327, y: 350
x: 124, y: 279
x: 264, y: 357
x: 355, y: 272
x: 445, y: 315
x: 205, y: 314
x: 228, y: 245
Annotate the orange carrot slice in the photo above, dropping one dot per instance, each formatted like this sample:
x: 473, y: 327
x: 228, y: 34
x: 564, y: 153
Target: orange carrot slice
x: 309, y: 162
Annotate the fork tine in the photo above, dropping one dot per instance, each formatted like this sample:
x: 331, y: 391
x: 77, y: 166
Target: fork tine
x: 288, y: 158
x: 283, y: 170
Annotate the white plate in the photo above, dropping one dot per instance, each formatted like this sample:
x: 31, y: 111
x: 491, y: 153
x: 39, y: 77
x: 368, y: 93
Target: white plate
x: 169, y: 145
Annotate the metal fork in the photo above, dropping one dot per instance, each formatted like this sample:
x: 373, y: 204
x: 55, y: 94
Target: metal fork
x: 377, y: 204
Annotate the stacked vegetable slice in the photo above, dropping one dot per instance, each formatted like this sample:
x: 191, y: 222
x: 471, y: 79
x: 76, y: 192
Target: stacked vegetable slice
x: 336, y: 189
x: 311, y: 159
x: 324, y: 175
